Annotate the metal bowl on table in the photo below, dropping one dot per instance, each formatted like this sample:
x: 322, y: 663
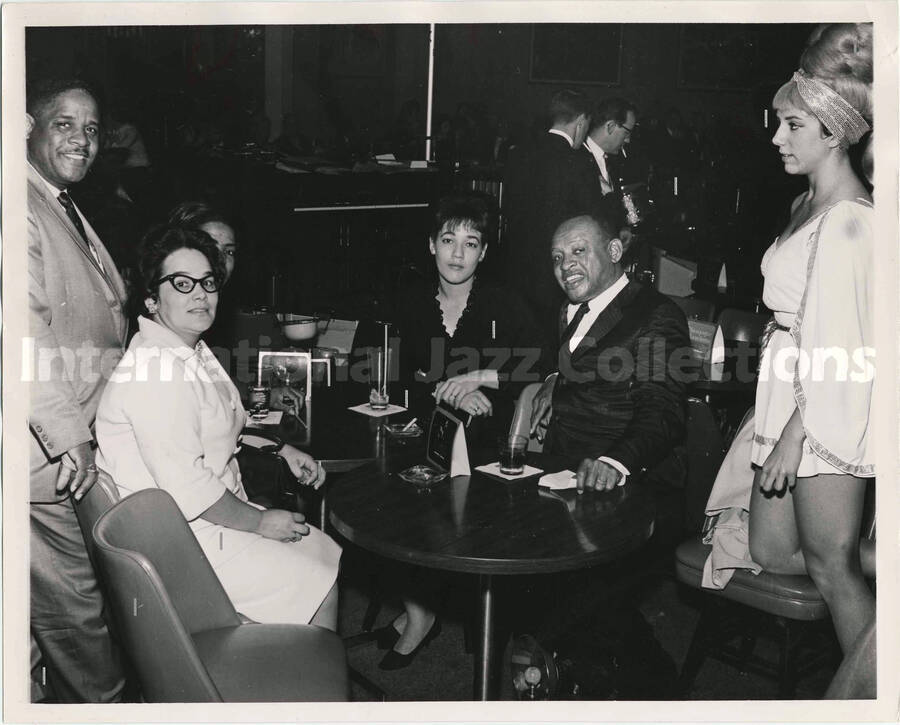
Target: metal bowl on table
x: 298, y: 327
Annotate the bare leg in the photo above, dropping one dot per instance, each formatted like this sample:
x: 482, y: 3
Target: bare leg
x: 774, y: 541
x: 867, y: 557
x: 327, y: 614
x: 418, y: 623
x: 828, y: 509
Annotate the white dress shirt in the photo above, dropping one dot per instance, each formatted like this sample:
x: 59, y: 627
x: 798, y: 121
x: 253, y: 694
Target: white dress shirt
x: 600, y: 157
x: 597, y: 305
x: 566, y: 136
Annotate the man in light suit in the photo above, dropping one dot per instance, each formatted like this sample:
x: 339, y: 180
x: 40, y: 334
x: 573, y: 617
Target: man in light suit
x: 615, y: 405
x: 611, y: 128
x: 78, y: 330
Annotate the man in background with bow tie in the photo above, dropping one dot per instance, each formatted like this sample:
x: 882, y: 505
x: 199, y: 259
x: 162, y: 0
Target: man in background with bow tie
x: 78, y: 329
x: 615, y: 404
x: 613, y: 123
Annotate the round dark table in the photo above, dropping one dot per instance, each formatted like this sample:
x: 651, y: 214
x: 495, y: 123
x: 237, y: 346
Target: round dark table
x: 482, y: 525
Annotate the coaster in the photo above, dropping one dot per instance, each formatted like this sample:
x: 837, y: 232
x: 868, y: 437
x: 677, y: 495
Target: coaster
x: 493, y: 469
x: 558, y: 481
x: 366, y: 409
x: 273, y: 418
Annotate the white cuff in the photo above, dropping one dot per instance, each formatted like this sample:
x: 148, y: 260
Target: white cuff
x: 618, y: 466
x: 556, y: 372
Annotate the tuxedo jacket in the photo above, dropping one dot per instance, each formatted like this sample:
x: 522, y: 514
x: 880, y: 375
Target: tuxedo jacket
x: 545, y: 185
x: 618, y: 393
x: 78, y: 328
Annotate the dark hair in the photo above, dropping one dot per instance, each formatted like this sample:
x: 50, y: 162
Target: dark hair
x: 197, y: 213
x: 607, y: 213
x: 612, y: 109
x: 159, y: 243
x: 477, y: 211
x: 567, y: 105
x: 41, y: 93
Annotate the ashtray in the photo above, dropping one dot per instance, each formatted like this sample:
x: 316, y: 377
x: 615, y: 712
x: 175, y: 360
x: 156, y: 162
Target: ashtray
x: 422, y: 476
x: 399, y: 430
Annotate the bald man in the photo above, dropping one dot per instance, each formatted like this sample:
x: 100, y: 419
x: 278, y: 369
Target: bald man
x: 615, y: 405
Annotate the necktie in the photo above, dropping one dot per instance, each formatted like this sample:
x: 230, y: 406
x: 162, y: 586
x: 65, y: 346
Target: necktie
x: 583, y: 309
x: 72, y: 213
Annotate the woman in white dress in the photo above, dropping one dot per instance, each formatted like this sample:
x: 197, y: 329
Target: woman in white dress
x: 172, y: 418
x: 811, y: 446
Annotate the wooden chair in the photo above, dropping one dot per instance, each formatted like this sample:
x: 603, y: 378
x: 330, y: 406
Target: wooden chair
x: 180, y: 630
x: 694, y: 309
x: 751, y: 605
x: 741, y: 326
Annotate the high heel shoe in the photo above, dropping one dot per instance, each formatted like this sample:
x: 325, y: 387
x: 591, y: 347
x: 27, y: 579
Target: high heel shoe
x: 393, y: 660
x: 386, y: 637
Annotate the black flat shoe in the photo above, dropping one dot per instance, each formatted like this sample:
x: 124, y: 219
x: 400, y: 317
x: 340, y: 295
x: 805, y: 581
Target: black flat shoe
x: 393, y: 660
x: 386, y: 637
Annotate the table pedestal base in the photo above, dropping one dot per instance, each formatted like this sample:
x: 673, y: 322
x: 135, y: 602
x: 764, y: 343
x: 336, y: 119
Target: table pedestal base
x: 484, y: 653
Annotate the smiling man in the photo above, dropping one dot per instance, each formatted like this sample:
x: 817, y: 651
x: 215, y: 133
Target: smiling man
x: 78, y: 330
x: 615, y: 405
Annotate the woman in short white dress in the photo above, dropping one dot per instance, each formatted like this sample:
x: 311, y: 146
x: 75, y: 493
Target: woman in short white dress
x: 171, y: 417
x: 811, y: 445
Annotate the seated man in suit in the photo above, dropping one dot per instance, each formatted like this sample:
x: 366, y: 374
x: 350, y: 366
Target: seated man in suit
x: 615, y: 408
x: 615, y: 405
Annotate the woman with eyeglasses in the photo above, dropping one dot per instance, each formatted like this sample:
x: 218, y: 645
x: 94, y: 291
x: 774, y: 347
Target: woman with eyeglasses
x: 172, y: 418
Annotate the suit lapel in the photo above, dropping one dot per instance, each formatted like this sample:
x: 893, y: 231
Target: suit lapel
x: 606, y: 320
x: 115, y: 288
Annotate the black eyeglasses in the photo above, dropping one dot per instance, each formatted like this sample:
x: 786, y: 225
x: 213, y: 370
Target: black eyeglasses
x: 185, y: 284
x: 625, y: 129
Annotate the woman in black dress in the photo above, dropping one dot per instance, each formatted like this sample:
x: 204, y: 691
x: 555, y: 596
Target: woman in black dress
x: 462, y: 345
x: 463, y: 338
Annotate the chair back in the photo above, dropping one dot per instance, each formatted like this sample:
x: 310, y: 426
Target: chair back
x: 162, y: 590
x: 704, y: 450
x: 521, y: 421
x: 694, y: 309
x: 100, y: 497
x: 742, y: 326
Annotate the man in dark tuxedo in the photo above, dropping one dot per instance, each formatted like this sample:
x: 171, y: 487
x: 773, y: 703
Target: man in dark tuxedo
x: 545, y: 184
x: 611, y: 127
x: 615, y: 404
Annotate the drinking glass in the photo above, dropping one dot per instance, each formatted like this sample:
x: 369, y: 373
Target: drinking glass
x: 512, y: 454
x: 379, y: 364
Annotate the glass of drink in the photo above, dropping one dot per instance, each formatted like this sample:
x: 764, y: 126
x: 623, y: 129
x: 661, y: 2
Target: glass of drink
x: 379, y: 363
x: 512, y: 454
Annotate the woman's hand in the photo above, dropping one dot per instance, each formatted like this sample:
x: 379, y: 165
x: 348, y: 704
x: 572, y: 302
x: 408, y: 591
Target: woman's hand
x: 307, y: 470
x: 781, y: 466
x: 476, y: 403
x: 282, y: 525
x: 454, y: 389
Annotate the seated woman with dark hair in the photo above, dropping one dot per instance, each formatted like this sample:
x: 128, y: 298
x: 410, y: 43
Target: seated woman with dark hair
x: 461, y: 344
x: 463, y: 338
x: 172, y: 418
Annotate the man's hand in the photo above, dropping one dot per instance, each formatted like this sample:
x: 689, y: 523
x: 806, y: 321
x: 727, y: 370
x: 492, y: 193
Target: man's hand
x: 77, y: 471
x: 596, y: 475
x: 476, y: 403
x: 282, y: 525
x: 542, y: 407
x: 453, y: 390
x: 307, y: 470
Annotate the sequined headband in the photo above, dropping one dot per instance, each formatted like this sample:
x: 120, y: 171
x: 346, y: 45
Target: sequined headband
x: 838, y: 116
